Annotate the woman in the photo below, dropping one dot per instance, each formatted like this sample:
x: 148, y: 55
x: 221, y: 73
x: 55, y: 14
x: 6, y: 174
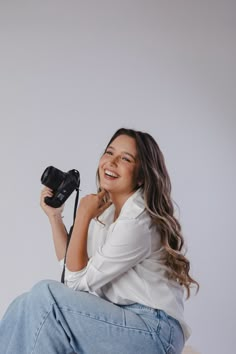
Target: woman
x: 125, y: 270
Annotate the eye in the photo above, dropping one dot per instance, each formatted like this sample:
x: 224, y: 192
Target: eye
x: 108, y: 152
x: 124, y: 158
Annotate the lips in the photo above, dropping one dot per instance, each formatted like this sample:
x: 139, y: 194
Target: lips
x: 110, y: 173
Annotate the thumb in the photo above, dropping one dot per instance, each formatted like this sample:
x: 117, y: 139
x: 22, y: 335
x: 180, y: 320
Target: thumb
x: 104, y: 206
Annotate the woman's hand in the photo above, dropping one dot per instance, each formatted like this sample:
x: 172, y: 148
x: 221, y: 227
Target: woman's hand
x: 49, y: 211
x: 93, y: 205
x: 59, y: 232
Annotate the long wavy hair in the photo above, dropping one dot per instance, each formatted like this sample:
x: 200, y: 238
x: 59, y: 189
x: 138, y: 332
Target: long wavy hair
x: 156, y: 187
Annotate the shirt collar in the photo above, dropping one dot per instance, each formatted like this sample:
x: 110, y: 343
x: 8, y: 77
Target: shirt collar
x: 133, y: 206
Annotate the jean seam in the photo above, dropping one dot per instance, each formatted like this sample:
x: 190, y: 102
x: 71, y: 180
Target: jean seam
x: 169, y: 348
x: 158, y: 333
x: 145, y: 332
x: 37, y: 333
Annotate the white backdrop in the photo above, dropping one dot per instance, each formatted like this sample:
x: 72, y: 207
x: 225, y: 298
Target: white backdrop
x: 71, y: 73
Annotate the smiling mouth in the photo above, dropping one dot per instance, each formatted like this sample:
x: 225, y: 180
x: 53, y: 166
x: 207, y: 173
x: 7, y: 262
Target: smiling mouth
x: 110, y: 174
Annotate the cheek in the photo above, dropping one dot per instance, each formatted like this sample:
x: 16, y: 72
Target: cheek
x: 101, y: 164
x: 131, y: 173
x: 99, y: 169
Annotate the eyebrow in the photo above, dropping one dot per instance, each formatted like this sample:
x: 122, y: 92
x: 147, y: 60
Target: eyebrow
x: 124, y: 152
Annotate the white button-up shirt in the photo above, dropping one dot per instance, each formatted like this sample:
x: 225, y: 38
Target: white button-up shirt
x: 126, y: 262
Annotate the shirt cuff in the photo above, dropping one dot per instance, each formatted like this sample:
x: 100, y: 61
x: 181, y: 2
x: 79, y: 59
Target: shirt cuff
x: 61, y: 263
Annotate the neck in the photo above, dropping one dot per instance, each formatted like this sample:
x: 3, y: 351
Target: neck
x: 118, y: 202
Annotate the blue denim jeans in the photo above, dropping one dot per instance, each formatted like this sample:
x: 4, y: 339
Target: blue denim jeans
x: 53, y: 319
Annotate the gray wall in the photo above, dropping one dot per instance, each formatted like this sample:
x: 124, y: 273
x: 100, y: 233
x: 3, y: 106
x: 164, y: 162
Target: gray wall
x: 71, y: 73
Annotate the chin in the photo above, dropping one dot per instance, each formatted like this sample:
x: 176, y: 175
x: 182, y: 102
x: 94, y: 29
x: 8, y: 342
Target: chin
x: 107, y: 189
x: 105, y: 186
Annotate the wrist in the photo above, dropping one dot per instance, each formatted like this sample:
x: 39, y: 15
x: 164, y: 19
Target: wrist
x: 55, y: 218
x: 83, y: 215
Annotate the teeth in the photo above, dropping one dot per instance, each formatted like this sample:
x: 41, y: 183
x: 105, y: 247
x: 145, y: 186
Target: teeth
x: 109, y: 173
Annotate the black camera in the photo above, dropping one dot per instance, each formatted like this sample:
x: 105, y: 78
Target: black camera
x: 62, y: 184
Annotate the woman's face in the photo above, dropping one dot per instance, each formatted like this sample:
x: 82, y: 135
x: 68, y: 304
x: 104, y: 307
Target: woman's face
x: 119, y: 166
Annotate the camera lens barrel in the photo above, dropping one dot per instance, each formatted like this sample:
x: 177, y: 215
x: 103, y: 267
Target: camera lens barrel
x: 52, y: 177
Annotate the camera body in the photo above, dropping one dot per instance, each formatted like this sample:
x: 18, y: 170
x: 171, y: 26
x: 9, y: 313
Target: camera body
x: 62, y: 184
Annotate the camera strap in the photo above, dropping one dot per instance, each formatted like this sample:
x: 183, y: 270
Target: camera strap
x: 69, y: 234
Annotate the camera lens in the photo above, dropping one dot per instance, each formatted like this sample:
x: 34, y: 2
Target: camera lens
x: 52, y: 177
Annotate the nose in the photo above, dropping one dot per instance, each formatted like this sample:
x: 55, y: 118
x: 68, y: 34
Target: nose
x: 114, y: 159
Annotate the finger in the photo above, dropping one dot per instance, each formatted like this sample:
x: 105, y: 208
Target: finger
x: 47, y: 189
x: 104, y: 206
x: 44, y: 195
x: 101, y: 193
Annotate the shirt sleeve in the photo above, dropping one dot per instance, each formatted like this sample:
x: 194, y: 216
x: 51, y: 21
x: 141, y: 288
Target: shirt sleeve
x: 127, y: 244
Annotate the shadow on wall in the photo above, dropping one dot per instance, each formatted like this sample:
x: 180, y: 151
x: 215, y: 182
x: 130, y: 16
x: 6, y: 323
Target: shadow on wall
x: 189, y: 350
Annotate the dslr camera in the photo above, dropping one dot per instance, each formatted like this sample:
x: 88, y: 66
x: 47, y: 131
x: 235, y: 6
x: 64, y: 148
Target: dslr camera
x: 62, y: 184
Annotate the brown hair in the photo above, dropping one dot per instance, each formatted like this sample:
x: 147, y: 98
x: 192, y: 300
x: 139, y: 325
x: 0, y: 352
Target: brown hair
x: 156, y: 187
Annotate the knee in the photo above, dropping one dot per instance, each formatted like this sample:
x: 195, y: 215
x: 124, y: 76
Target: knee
x: 43, y: 284
x: 42, y: 291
